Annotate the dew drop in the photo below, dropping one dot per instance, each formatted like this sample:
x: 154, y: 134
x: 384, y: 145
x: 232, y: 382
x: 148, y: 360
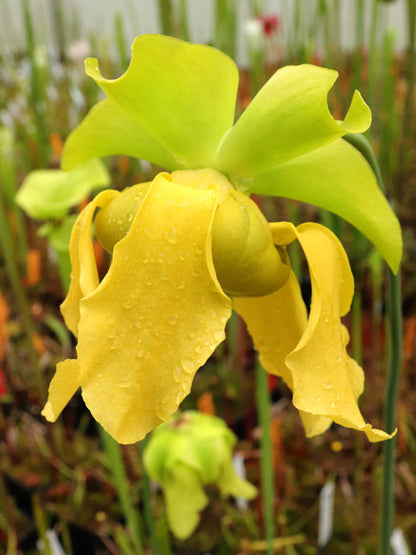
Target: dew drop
x: 171, y: 236
x: 339, y: 358
x: 127, y: 304
x: 148, y: 233
x: 327, y: 385
x: 164, y: 276
x: 129, y: 217
x: 192, y: 334
x: 187, y: 365
x: 198, y: 349
x: 124, y: 385
x: 332, y: 405
x: 219, y: 335
x: 99, y: 375
x: 178, y: 374
x: 180, y: 285
x: 172, y: 319
x: 160, y: 258
x: 196, y: 273
x: 326, y: 320
x: 140, y: 354
x: 181, y: 255
x: 148, y: 279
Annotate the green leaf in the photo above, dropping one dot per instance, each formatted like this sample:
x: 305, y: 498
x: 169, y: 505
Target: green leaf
x: 107, y: 130
x: 185, y: 498
x: 51, y: 193
x: 288, y: 118
x: 180, y: 94
x: 338, y: 178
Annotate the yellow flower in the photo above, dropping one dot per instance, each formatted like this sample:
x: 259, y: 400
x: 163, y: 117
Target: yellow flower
x: 187, y: 248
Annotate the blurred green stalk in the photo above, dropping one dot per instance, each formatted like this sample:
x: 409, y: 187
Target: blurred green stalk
x: 165, y: 16
x: 121, y: 41
x: 116, y: 466
x: 225, y: 26
x: 266, y: 455
x: 408, y: 114
x: 37, y: 92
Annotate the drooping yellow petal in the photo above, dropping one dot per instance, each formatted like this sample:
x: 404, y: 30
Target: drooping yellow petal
x: 326, y: 381
x: 62, y: 387
x: 156, y: 317
x: 84, y: 277
x: 276, y: 323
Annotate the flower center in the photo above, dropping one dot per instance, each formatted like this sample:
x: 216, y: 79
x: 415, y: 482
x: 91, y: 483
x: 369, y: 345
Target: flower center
x: 246, y: 261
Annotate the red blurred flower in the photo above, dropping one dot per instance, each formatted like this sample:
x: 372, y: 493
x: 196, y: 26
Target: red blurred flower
x: 271, y: 23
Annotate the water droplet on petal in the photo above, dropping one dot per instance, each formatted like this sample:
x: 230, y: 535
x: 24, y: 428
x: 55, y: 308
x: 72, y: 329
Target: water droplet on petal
x: 187, y: 365
x: 172, y: 319
x: 196, y: 273
x: 124, y: 385
x: 164, y: 276
x: 219, y: 335
x: 171, y: 235
x: 180, y: 285
x: 326, y: 320
x: 192, y: 334
x: 148, y: 279
x: 178, y: 374
x: 332, y: 405
x: 327, y: 385
x: 140, y: 353
x: 339, y: 358
x: 181, y: 255
x: 198, y: 349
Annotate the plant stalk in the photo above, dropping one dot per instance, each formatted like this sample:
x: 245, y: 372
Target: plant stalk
x: 266, y: 456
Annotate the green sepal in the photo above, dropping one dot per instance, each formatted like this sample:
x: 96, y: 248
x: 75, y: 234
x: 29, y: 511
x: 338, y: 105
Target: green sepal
x: 107, y: 131
x: 179, y: 94
x: 338, y: 178
x: 288, y: 118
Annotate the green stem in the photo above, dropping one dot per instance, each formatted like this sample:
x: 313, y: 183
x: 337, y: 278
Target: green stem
x: 37, y: 96
x: 392, y: 390
x: 395, y: 332
x: 266, y: 460
x: 147, y: 501
x: 117, y: 468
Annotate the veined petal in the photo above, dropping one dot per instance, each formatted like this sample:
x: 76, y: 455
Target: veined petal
x: 62, y: 387
x: 338, y: 178
x: 288, y: 118
x: 84, y: 276
x: 157, y: 315
x: 183, y: 95
x: 107, y: 130
x: 326, y: 381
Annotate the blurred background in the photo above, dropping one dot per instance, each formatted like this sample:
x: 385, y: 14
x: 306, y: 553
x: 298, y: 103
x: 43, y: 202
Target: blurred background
x: 65, y: 488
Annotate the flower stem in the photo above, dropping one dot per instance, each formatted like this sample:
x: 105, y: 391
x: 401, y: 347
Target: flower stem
x: 266, y: 460
x: 395, y: 332
x: 392, y: 389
